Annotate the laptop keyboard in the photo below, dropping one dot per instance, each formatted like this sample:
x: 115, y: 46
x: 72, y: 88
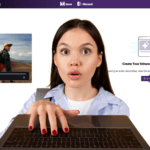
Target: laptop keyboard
x: 76, y: 138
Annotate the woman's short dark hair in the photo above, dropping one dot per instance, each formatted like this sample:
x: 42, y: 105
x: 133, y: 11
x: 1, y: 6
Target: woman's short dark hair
x: 101, y: 77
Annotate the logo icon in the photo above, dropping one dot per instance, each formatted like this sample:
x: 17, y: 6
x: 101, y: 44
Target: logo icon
x: 145, y: 45
x: 62, y: 3
x: 79, y: 3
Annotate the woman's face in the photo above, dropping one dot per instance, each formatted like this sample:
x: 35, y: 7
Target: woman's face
x: 77, y: 50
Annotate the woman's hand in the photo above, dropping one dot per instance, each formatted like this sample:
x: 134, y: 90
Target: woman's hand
x: 44, y: 107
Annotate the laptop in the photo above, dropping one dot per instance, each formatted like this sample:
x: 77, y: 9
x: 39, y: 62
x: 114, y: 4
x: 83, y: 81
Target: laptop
x: 85, y: 132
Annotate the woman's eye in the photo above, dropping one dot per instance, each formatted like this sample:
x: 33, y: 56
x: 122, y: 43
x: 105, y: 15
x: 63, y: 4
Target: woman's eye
x: 86, y: 51
x: 65, y: 51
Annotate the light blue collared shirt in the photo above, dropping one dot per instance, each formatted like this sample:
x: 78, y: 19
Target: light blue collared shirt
x: 105, y: 103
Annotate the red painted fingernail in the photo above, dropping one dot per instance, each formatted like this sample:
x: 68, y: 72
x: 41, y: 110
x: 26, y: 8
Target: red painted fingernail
x: 54, y: 132
x: 30, y: 128
x: 44, y: 131
x: 66, y: 129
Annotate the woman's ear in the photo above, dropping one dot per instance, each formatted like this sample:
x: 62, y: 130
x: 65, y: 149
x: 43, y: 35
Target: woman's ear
x: 99, y: 59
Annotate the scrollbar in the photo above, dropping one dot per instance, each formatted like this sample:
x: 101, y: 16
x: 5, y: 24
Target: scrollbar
x: 14, y: 75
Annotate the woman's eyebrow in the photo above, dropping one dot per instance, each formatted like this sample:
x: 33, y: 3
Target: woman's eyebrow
x: 64, y: 44
x: 86, y: 44
x: 80, y: 46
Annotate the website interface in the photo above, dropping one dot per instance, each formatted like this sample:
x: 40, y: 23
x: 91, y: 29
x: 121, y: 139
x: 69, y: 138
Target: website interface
x: 124, y: 28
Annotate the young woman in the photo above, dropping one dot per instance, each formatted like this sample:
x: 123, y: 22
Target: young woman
x: 79, y: 79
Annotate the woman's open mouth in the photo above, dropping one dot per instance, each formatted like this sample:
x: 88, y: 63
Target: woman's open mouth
x: 74, y: 76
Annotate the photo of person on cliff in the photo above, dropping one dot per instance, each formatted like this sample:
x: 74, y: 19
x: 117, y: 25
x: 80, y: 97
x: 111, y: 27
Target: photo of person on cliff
x: 15, y: 58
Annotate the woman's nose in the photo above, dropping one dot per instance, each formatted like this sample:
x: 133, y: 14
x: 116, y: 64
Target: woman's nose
x: 75, y: 60
x: 75, y: 63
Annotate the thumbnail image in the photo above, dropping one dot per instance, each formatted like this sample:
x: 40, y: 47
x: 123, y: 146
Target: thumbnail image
x: 15, y: 58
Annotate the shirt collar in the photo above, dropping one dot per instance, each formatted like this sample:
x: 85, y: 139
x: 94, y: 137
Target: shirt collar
x: 55, y: 92
x: 108, y: 98
x: 5, y: 50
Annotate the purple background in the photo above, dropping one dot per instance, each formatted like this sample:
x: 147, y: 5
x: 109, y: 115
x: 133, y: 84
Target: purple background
x: 56, y: 4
